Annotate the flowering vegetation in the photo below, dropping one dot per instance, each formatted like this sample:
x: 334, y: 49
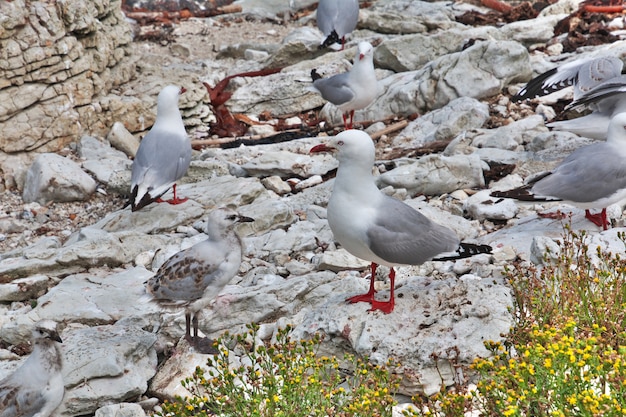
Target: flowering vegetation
x: 284, y: 379
x: 565, y: 355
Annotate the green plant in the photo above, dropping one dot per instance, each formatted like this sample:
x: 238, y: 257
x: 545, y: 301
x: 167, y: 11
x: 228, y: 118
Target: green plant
x: 285, y: 378
x: 566, y: 353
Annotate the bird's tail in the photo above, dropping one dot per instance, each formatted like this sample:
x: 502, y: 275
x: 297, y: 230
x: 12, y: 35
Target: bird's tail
x: 465, y: 250
x: 331, y: 39
x: 521, y: 193
x: 315, y: 75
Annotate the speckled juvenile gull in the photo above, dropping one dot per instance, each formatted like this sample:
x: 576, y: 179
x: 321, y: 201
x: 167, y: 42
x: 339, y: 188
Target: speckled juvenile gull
x: 194, y: 277
x: 379, y: 228
x: 352, y: 90
x: 36, y: 388
x: 591, y: 177
x: 163, y: 155
x: 336, y: 19
x: 584, y: 74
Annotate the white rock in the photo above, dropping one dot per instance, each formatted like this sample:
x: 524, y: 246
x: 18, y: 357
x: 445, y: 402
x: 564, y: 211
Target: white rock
x: 120, y: 138
x: 54, y: 178
x: 482, y: 206
x: 121, y: 410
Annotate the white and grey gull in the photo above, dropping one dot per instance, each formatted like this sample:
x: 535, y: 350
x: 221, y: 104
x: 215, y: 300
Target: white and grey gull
x: 598, y: 86
x: 336, y: 19
x: 591, y: 177
x: 352, y: 90
x: 378, y: 228
x: 164, y: 153
x: 195, y: 276
x: 36, y: 388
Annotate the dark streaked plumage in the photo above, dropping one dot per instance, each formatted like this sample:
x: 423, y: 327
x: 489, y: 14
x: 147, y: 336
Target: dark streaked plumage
x: 195, y: 276
x: 36, y: 388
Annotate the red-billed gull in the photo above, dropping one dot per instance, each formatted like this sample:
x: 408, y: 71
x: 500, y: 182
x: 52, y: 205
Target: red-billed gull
x: 163, y: 155
x: 194, y: 277
x: 379, y: 228
x: 352, y: 90
x: 591, y: 177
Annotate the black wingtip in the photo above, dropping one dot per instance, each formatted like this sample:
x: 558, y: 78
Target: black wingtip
x: 315, y: 75
x: 465, y: 250
x: 331, y: 39
x: 537, y: 88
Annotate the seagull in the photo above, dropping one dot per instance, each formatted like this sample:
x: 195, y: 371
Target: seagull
x: 163, y: 155
x: 36, y: 388
x: 352, y: 90
x: 595, y: 80
x: 378, y: 228
x: 195, y: 276
x: 584, y: 74
x: 605, y: 100
x: 336, y: 19
x: 591, y: 177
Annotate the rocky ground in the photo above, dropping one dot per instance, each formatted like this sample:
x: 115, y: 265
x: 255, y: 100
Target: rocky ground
x: 455, y: 136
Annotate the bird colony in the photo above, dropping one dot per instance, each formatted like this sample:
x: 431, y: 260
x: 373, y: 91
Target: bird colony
x: 352, y: 234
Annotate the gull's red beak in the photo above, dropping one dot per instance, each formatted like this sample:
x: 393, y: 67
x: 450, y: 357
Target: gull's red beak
x: 182, y: 90
x: 361, y: 56
x: 321, y: 148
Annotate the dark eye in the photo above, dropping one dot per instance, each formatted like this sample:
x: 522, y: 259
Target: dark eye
x: 231, y: 217
x: 340, y: 143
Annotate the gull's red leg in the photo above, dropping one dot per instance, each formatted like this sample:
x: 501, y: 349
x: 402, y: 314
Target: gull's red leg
x: 386, y: 306
x: 599, y: 219
x: 351, y: 119
x: 176, y: 200
x: 368, y: 296
x: 345, y: 121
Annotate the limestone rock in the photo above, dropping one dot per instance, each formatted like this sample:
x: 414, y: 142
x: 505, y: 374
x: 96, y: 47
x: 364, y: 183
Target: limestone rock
x: 54, y: 178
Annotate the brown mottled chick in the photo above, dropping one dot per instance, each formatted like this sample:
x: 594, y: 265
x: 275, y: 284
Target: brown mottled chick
x: 194, y: 277
x: 36, y: 388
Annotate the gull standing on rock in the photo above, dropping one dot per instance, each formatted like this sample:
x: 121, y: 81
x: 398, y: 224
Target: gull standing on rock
x: 163, y: 155
x: 591, y: 177
x: 194, y: 277
x: 352, y: 90
x: 378, y: 228
x: 336, y: 19
x: 36, y: 388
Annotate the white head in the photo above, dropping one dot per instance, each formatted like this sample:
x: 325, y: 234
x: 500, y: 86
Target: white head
x: 617, y: 128
x: 350, y: 145
x: 223, y: 218
x: 168, y: 98
x: 365, y: 50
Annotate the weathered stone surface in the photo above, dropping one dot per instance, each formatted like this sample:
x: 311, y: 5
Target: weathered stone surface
x: 445, y: 174
x: 54, y: 178
x: 53, y: 62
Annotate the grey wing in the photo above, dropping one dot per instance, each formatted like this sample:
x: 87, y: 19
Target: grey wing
x: 402, y: 235
x: 348, y: 16
x: 18, y: 401
x: 596, y: 71
x: 327, y: 11
x: 335, y: 89
x: 160, y: 160
x: 584, y: 74
x: 587, y: 175
x: 604, y: 97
